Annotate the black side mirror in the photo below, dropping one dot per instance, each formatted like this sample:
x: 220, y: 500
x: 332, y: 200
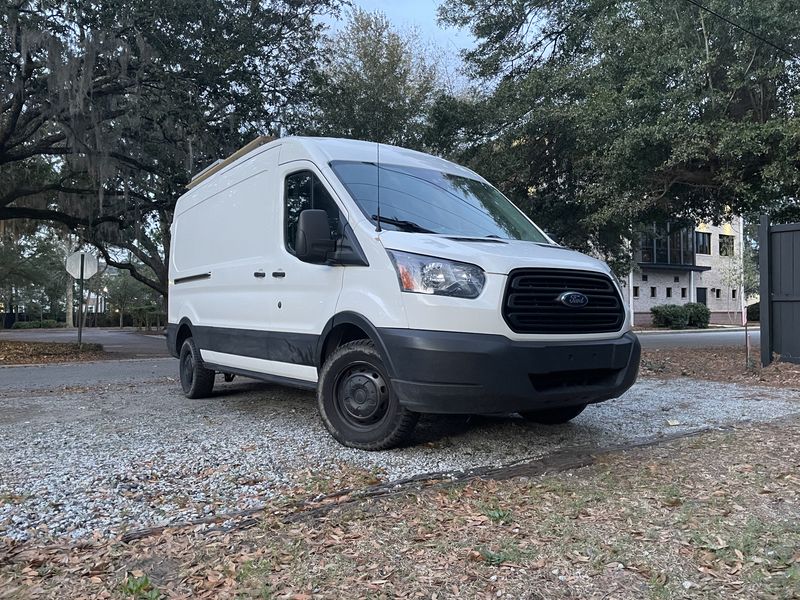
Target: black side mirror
x: 313, y: 241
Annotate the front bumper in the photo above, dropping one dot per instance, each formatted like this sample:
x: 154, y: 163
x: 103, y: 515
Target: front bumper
x: 470, y: 373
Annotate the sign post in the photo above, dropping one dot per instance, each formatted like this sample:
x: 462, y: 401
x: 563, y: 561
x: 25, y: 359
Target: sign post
x: 81, y: 265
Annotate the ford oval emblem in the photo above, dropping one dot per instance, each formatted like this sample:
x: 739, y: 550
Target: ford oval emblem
x: 573, y: 299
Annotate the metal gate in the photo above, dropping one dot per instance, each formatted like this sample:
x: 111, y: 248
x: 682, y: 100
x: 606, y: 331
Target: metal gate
x: 779, y: 257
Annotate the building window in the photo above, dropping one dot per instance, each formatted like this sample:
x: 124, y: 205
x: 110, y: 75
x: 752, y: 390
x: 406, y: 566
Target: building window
x: 669, y: 292
x: 718, y: 293
x: 653, y: 292
x: 644, y: 277
x: 665, y: 243
x: 636, y: 291
x: 683, y: 292
x: 733, y: 294
x: 702, y: 242
x: 726, y: 245
x: 677, y: 279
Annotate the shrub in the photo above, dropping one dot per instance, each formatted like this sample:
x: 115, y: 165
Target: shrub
x: 754, y: 312
x: 46, y: 324
x: 699, y: 314
x: 671, y: 316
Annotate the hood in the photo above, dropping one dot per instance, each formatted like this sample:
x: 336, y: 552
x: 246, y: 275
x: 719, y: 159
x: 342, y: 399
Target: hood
x: 491, y: 254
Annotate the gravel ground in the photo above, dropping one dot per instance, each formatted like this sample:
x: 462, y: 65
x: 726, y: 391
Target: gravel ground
x: 107, y: 458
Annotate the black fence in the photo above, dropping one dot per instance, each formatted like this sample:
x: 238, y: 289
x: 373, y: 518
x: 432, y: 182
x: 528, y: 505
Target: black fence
x: 779, y: 256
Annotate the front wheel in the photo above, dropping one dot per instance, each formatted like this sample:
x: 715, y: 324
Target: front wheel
x: 554, y: 416
x: 196, y: 380
x: 356, y: 402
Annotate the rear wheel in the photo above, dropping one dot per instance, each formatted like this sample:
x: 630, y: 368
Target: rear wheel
x: 554, y: 416
x: 196, y: 380
x: 356, y: 401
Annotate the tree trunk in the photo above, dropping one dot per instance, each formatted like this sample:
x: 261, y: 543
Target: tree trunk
x: 69, y: 307
x: 120, y: 318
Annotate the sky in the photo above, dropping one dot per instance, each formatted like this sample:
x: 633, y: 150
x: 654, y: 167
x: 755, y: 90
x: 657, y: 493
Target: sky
x: 422, y: 14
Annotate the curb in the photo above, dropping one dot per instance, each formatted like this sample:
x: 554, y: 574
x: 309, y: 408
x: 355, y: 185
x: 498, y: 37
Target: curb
x: 701, y: 331
x: 86, y: 362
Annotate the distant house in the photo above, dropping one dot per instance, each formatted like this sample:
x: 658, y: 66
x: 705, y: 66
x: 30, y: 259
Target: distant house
x: 678, y: 264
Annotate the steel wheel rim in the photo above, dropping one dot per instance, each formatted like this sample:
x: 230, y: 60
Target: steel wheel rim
x: 361, y: 395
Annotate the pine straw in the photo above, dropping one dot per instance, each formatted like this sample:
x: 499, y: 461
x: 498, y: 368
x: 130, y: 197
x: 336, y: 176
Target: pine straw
x: 709, y: 516
x: 727, y: 364
x: 20, y: 353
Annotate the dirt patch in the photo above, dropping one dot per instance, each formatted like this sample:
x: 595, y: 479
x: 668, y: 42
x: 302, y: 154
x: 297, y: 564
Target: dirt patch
x: 21, y: 353
x: 708, y: 516
x: 727, y: 364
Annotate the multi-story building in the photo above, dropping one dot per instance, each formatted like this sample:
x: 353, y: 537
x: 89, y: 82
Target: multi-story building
x: 676, y: 265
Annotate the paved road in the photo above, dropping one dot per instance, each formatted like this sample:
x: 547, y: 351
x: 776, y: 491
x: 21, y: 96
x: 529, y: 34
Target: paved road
x: 131, y: 344
x: 125, y: 342
x: 699, y: 339
x: 57, y: 376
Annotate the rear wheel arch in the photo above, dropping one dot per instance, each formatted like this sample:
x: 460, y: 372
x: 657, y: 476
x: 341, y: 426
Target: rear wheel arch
x: 184, y: 332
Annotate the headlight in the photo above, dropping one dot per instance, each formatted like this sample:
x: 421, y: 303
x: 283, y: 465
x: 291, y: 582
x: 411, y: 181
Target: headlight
x: 438, y: 276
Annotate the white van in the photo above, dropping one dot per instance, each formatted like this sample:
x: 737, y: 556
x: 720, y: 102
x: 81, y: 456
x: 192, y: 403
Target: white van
x: 391, y: 282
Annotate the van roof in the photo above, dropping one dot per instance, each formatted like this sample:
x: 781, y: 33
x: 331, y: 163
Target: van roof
x: 327, y: 149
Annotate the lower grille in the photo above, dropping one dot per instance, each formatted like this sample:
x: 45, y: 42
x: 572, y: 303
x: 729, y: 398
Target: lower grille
x: 532, y: 305
x: 548, y: 382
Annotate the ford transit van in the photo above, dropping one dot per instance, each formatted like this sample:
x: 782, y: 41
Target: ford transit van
x: 392, y: 283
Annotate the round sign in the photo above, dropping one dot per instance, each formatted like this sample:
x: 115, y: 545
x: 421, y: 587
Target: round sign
x: 90, y: 265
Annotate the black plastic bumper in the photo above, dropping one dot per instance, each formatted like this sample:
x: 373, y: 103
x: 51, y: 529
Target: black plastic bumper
x: 468, y: 373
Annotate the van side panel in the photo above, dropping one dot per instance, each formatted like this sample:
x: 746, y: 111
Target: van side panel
x: 222, y: 237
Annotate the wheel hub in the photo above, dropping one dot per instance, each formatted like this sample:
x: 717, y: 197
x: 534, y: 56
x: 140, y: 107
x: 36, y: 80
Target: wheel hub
x: 362, y: 394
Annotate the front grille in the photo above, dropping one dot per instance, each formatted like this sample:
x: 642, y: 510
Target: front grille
x: 531, y: 302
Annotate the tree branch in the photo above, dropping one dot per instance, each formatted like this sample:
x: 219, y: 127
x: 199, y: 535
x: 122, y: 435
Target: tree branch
x: 22, y: 212
x: 131, y: 268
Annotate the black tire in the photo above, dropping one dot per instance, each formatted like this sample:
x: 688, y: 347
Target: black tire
x: 356, y: 402
x: 196, y: 380
x: 554, y: 416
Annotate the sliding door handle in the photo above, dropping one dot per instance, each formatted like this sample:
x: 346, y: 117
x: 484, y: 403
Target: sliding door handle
x: 259, y: 274
x: 278, y: 274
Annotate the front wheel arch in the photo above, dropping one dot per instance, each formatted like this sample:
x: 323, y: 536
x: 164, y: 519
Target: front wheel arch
x: 352, y: 321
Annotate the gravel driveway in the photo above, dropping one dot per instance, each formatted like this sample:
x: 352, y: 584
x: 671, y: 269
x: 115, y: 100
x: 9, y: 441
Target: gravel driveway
x: 107, y: 458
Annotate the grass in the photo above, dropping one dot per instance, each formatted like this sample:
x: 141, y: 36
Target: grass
x: 140, y: 588
x: 498, y: 515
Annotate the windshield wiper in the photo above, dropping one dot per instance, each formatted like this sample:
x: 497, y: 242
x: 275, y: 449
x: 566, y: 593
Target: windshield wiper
x: 407, y: 225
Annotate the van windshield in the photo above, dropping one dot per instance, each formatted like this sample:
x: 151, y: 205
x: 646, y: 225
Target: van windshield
x: 429, y: 201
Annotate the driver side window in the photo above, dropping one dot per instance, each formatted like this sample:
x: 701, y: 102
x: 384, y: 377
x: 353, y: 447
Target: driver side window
x: 304, y: 190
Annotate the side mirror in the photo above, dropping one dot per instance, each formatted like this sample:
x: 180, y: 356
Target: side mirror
x: 313, y: 241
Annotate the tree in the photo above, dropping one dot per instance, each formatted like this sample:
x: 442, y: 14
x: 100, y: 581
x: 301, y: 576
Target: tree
x: 125, y: 293
x: 607, y: 114
x: 374, y: 84
x: 32, y: 270
x: 107, y: 108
